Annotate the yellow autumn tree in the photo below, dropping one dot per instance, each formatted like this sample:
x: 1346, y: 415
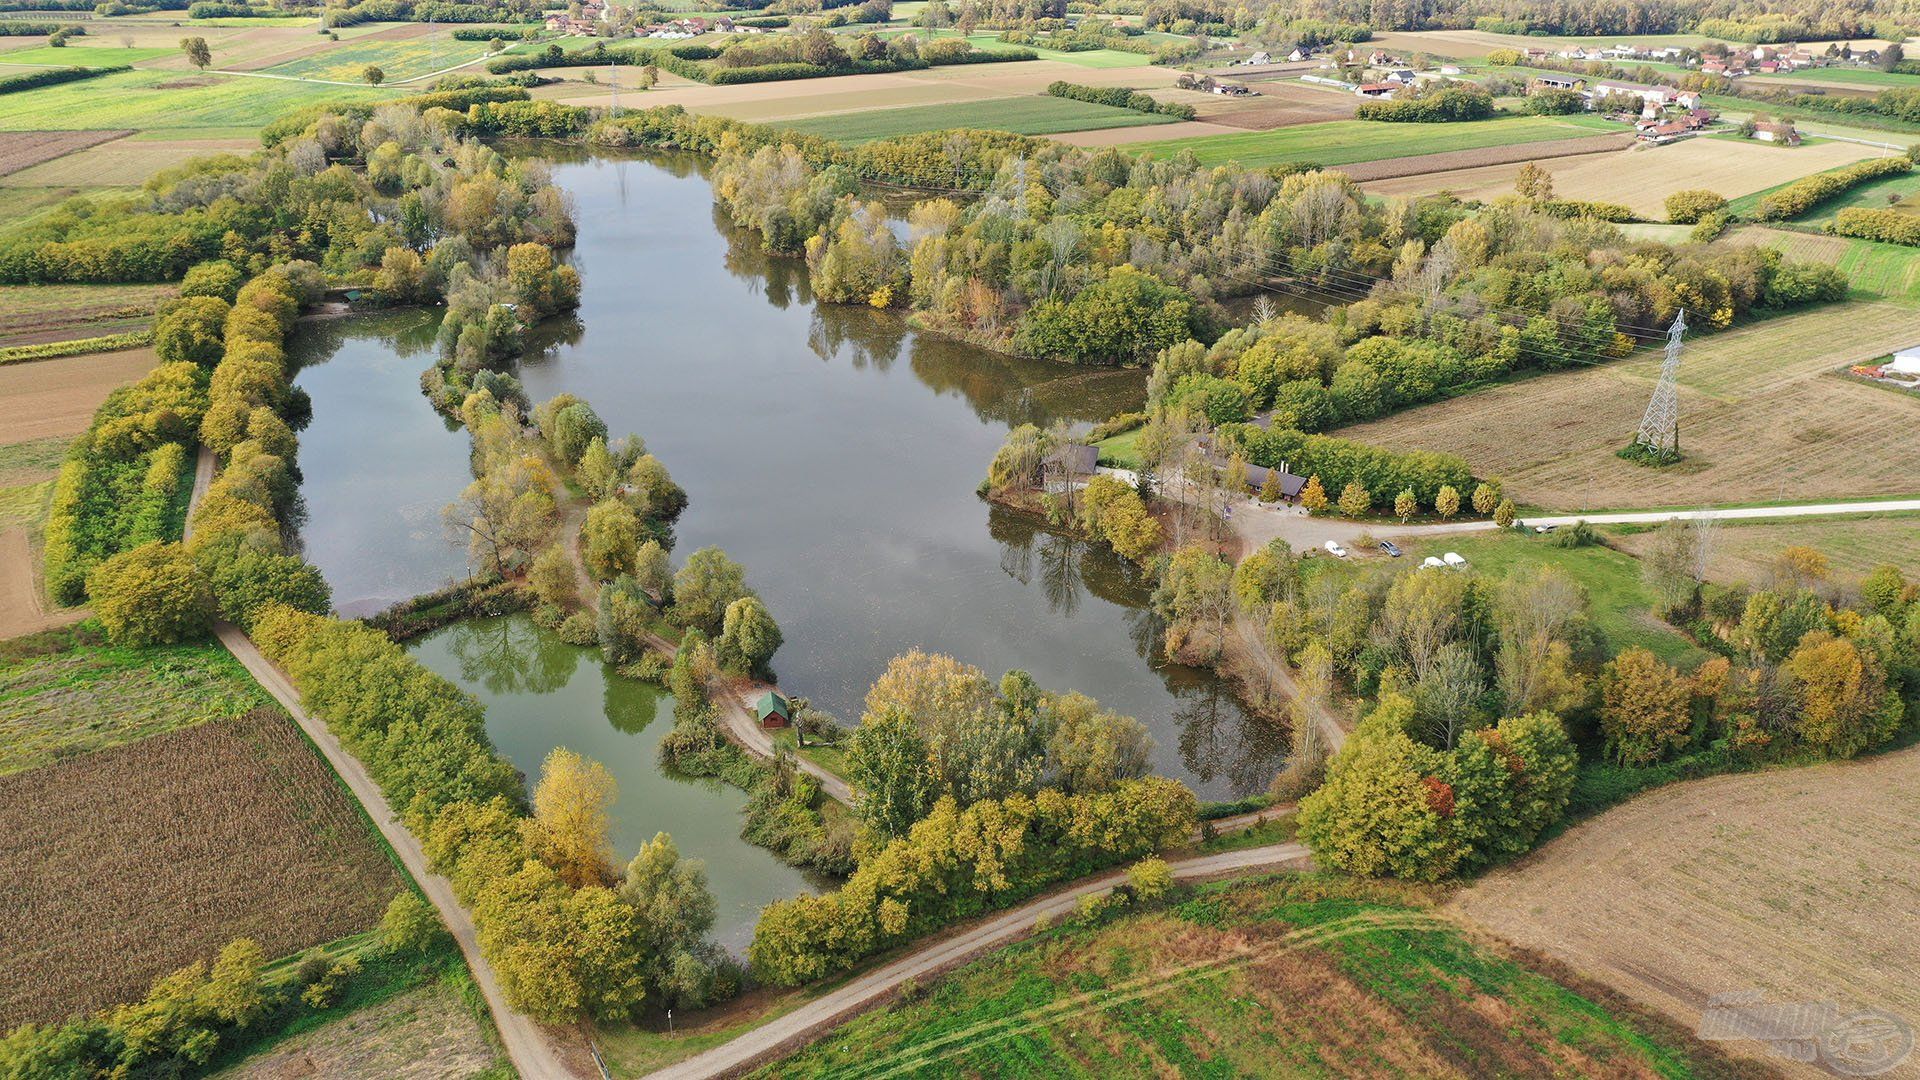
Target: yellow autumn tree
x: 569, y: 830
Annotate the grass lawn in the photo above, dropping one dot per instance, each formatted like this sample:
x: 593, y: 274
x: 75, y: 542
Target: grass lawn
x: 172, y: 99
x: 1290, y: 975
x: 1279, y: 829
x: 1022, y: 116
x: 1620, y: 603
x: 831, y: 758
x: 1121, y: 451
x: 1868, y: 77
x: 1871, y: 195
x: 1342, y: 142
x: 94, y: 56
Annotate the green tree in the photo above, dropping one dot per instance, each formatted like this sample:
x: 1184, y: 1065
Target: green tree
x: 1355, y: 499
x: 669, y: 895
x: 153, y: 594
x: 704, y: 587
x: 1405, y: 505
x: 1886, y: 590
x: 1485, y: 498
x: 748, y: 636
x: 652, y: 570
x: 374, y: 75
x: 245, y: 582
x: 1194, y: 594
x: 552, y: 577
x: 410, y: 927
x: 1093, y: 749
x: 596, y: 471
x: 570, y: 826
x: 1314, y: 496
x: 1645, y: 708
x: 612, y: 535
x: 1845, y: 705
x: 216, y: 278
x: 197, y: 52
x: 1384, y: 810
x: 191, y: 329
x: 891, y: 772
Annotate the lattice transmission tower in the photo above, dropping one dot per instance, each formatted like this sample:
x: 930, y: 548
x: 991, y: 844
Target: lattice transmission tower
x: 1660, y: 427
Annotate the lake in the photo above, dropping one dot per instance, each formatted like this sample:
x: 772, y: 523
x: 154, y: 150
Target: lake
x: 833, y: 451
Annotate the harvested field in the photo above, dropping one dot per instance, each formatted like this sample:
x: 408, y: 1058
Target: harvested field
x: 1296, y: 975
x: 1457, y: 159
x: 1023, y: 116
x: 422, y: 1034
x: 26, y: 491
x: 1643, y: 177
x: 263, y: 55
x: 25, y: 149
x: 1744, y: 551
x: 1761, y: 419
x: 128, y: 863
x: 35, y: 313
x: 126, y: 163
x: 1795, y: 882
x: 44, y: 398
x: 1273, y: 105
x: 87, y: 697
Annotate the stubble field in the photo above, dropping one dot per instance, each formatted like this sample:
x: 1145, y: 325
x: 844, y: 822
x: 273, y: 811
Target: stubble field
x: 1761, y: 419
x: 1795, y: 882
x: 1744, y: 551
x: 128, y: 863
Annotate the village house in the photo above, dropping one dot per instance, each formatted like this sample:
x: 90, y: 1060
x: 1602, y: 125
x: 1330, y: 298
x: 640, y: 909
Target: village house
x: 1656, y: 96
x: 1775, y: 132
x: 563, y: 23
x: 1376, y: 89
x: 1555, y: 82
x: 1659, y: 134
x: 1298, y: 55
x: 1403, y: 76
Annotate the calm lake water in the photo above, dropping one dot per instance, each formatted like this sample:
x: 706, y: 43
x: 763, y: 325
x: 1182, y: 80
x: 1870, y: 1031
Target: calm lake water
x: 831, y: 450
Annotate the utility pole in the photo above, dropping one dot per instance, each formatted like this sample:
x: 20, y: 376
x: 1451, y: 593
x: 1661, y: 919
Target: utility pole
x: 1660, y: 427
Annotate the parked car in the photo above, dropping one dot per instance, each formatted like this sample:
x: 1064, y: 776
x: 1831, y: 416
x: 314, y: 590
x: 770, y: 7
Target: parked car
x: 1431, y: 563
x: 1455, y: 560
x: 1333, y: 548
x: 1390, y: 548
x: 1544, y: 528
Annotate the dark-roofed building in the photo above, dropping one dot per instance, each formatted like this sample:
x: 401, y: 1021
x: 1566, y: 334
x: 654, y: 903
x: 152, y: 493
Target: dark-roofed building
x: 1290, y: 485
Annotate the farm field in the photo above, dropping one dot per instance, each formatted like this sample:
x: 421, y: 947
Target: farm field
x: 420, y: 1034
x: 1794, y: 882
x: 1272, y: 105
x: 1599, y: 148
x: 45, y: 398
x: 75, y: 56
x: 399, y: 59
x: 1023, y: 116
x: 33, y: 313
x: 1845, y: 78
x: 1621, y: 604
x: 88, y: 697
x: 124, y: 162
x: 143, y: 99
x: 1345, y: 141
x: 1297, y: 975
x: 130, y: 862
x: 1877, y: 271
x: 25, y: 149
x: 1760, y: 420
x: 1642, y: 178
x: 1743, y: 551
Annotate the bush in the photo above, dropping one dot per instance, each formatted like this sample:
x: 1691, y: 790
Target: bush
x: 410, y: 926
x: 1885, y: 226
x: 1455, y: 103
x: 1118, y: 97
x: 216, y: 277
x: 1688, y: 207
x: 151, y: 595
x: 1803, y: 195
x: 189, y: 330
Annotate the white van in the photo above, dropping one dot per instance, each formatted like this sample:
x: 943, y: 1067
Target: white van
x: 1455, y: 560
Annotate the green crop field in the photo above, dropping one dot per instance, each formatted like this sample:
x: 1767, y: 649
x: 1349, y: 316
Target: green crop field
x: 171, y: 99
x: 1876, y: 271
x: 1865, y: 77
x: 1297, y: 975
x: 403, y: 59
x: 1023, y: 116
x: 93, y: 696
x: 1342, y: 142
x: 93, y: 56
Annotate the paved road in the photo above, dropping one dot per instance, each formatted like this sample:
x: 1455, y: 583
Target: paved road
x: 526, y: 1044
x: 797, y: 1028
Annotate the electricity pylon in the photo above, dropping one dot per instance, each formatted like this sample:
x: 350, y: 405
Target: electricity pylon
x: 1660, y: 427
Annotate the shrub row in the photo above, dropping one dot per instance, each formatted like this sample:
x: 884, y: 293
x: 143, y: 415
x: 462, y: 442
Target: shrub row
x: 489, y: 33
x: 957, y: 863
x: 1574, y: 208
x: 33, y: 80
x: 48, y: 350
x: 1441, y: 106
x: 1803, y: 195
x: 11, y: 28
x: 1886, y: 226
x: 1119, y: 97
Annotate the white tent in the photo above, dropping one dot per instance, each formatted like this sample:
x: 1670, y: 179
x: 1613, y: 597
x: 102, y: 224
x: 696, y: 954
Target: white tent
x: 1904, y: 362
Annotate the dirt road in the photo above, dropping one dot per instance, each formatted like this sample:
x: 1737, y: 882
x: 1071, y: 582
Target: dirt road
x: 21, y: 609
x: 795, y: 1029
x: 531, y: 1051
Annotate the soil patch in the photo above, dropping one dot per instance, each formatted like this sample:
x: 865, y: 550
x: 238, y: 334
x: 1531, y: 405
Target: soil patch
x: 419, y: 1035
x: 45, y: 398
x: 1794, y: 882
x: 23, y: 149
